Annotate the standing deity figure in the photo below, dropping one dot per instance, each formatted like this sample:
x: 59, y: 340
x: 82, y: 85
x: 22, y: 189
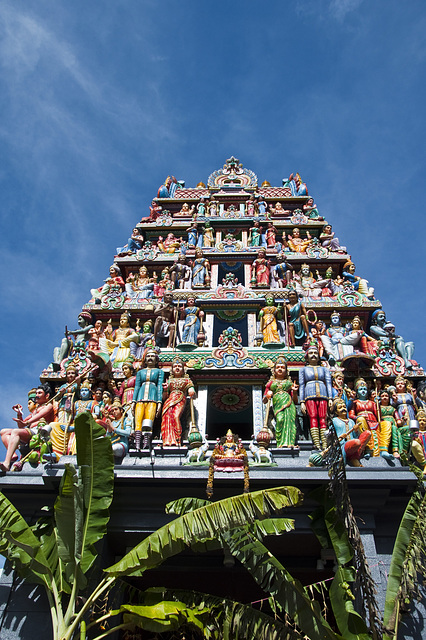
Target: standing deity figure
x: 137, y: 347
x: 315, y: 394
x: 85, y: 403
x: 352, y: 446
x: 192, y: 234
x: 329, y: 241
x: 297, y: 319
x: 338, y: 341
x: 180, y: 273
x: 41, y: 412
x: 66, y: 394
x: 296, y: 243
x: 403, y: 401
x: 201, y: 207
x: 165, y: 322
x: 305, y: 283
x: 208, y: 235
x: 192, y: 325
x: 255, y: 235
x: 340, y: 390
x: 297, y: 187
x: 176, y: 389
x: 127, y: 387
x: 359, y: 284
x: 147, y: 398
x: 261, y: 206
x: 283, y: 394
x: 212, y: 208
x: 282, y: 272
x: 119, y: 430
x: 251, y: 207
x: 419, y: 442
x: 270, y: 235
x: 268, y: 317
x: 397, y: 439
x: 384, y: 331
x: 200, y: 271
x: 260, y: 272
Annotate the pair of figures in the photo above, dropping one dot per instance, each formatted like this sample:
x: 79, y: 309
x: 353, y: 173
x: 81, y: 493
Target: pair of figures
x: 295, y: 315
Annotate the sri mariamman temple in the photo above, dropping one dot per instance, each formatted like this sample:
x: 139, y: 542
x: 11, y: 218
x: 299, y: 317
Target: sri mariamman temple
x: 231, y: 334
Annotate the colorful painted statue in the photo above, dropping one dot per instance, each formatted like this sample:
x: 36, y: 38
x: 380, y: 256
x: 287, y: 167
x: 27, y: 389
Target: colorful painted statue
x: 212, y: 208
x: 118, y: 344
x: 250, y: 208
x: 201, y: 208
x: 382, y: 330
x: 359, y: 284
x: 283, y: 394
x: 200, y: 271
x: 310, y: 210
x: 180, y: 273
x: 41, y: 414
x: 398, y: 437
x: 261, y: 206
x: 338, y: 341
x: 278, y: 211
x: 114, y: 281
x: 147, y: 398
x: 165, y: 322
x: 169, y: 188
x: 192, y: 234
x: 268, y: 317
x: 185, y: 211
x: 305, y: 283
x: 328, y: 240
x: 297, y: 187
x: 85, y: 401
x: 178, y: 386
x: 208, y: 235
x: 119, y: 430
x: 270, y: 235
x: 137, y: 347
x: 403, y: 402
x: 260, y: 271
x: 419, y: 442
x: 127, y: 387
x: 315, y: 394
x: 192, y: 325
x: 67, y: 393
x: 298, y: 328
x: 139, y: 285
x: 340, y: 390
x: 353, y: 447
x: 282, y: 272
x: 296, y: 243
x: 255, y: 235
x: 80, y: 336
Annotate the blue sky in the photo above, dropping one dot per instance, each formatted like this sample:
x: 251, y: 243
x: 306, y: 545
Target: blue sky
x: 101, y: 101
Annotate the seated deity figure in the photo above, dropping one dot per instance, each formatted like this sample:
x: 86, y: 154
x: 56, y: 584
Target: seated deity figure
x: 353, y: 446
x: 154, y: 212
x: 81, y: 334
x: 200, y: 271
x: 41, y: 412
x: 137, y: 348
x: 310, y: 210
x: 119, y: 430
x: 186, y: 211
x: 260, y: 270
x: 339, y: 341
x: 118, y: 343
x: 278, y: 211
x: 359, y: 284
x: 139, y: 285
x: 175, y: 392
x: 306, y: 285
x: 296, y: 243
x: 384, y: 331
x: 281, y: 272
x: 180, y: 273
x: 113, y: 282
x: 297, y: 187
x: 171, y: 244
x: 329, y: 240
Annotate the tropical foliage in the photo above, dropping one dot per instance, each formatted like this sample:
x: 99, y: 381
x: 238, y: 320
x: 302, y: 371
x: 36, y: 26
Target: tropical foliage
x: 60, y: 549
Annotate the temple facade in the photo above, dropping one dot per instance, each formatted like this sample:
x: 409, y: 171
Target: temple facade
x: 231, y: 334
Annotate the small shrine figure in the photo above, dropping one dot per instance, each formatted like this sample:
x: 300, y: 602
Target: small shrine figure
x: 359, y: 284
x: 135, y: 242
x: 139, y: 285
x: 171, y: 244
x: 193, y: 322
x: 296, y: 243
x: 200, y: 271
x: 270, y: 236
x: 328, y: 240
x: 154, y: 212
x: 208, y: 235
x: 186, y: 211
x: 278, y: 211
x: 255, y: 235
x: 192, y: 235
x: 283, y: 393
x: 41, y: 414
x: 384, y: 331
x: 261, y: 206
x: 403, y: 401
x: 175, y: 391
x: 310, y: 210
x: 260, y: 270
x: 340, y: 390
x: 297, y: 318
x: 180, y: 273
x: 85, y: 403
x: 119, y: 343
x: 229, y: 456
x: 268, y: 317
x: 251, y: 207
x: 119, y: 430
x: 165, y: 321
x: 282, y: 272
x: 353, y: 446
x: 419, y: 441
x: 315, y: 394
x: 147, y: 398
x: 66, y: 394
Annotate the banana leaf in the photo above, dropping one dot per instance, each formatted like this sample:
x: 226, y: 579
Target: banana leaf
x: 21, y: 547
x: 203, y: 524
x: 274, y: 579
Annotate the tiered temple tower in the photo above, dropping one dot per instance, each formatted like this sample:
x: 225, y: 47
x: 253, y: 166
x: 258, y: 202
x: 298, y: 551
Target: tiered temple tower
x: 247, y: 287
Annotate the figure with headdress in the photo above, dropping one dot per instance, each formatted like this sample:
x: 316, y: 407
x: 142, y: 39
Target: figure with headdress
x: 127, y: 387
x: 283, y: 393
x: 268, y: 317
x: 315, y: 393
x: 165, y: 322
x: 260, y: 272
x: 364, y: 412
x: 353, y: 445
x: 295, y: 184
x: 359, y: 284
x: 193, y: 317
x: 339, y: 341
x: 419, y: 441
x: 147, y: 397
x: 296, y: 243
x: 146, y: 339
x: 200, y: 270
x: 176, y: 389
x: 119, y: 430
x: 384, y: 331
x: 297, y: 319
x: 81, y: 334
x: 114, y: 281
x: 122, y: 337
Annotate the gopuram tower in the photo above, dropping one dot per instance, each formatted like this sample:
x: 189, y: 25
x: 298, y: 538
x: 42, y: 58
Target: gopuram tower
x: 231, y: 333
